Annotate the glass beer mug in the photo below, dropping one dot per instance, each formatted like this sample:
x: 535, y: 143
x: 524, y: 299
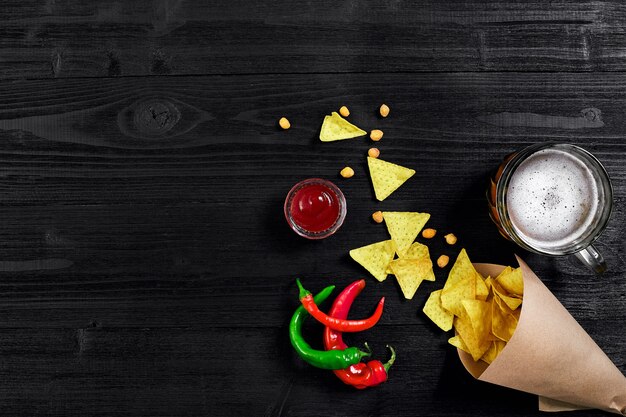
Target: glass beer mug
x: 552, y: 199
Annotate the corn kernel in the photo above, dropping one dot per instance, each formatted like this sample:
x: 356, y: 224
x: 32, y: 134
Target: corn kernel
x: 377, y: 216
x: 284, y: 123
x: 450, y: 238
x: 376, y: 135
x: 347, y: 172
x: 384, y: 110
x: 344, y: 111
x: 373, y: 152
x: 429, y: 233
x: 442, y: 261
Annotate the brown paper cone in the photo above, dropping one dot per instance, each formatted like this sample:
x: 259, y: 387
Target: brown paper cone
x: 552, y: 356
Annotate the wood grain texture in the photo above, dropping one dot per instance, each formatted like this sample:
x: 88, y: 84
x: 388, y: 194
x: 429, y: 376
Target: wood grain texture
x: 60, y: 39
x: 147, y: 268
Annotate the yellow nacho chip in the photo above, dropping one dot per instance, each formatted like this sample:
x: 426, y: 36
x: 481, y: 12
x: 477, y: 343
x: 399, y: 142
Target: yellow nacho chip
x: 462, y: 269
x: 506, y: 271
x: 491, y: 353
x: 336, y: 127
x: 420, y: 252
x: 456, y: 341
x: 417, y: 250
x: 479, y: 315
x: 475, y: 345
x: 499, y: 292
x: 482, y: 291
x: 460, y: 285
x: 410, y: 273
x: 404, y: 226
x: 512, y: 282
x: 435, y: 311
x: 387, y: 177
x: 375, y: 257
x: 503, y: 323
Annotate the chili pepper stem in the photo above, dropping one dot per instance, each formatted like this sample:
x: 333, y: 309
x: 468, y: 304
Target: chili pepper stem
x: 363, y: 354
x: 391, y: 360
x: 303, y: 291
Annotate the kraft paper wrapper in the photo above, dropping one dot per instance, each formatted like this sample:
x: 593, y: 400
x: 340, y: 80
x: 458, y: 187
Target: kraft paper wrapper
x: 552, y: 356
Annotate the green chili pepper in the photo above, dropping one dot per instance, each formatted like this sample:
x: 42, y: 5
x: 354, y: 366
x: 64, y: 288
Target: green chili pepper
x: 325, y: 359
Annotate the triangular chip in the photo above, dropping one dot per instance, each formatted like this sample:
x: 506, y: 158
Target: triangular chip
x: 512, y: 281
x: 452, y: 297
x: 404, y: 226
x: 460, y: 285
x: 336, y: 127
x: 387, y: 177
x: 375, y: 257
x: 410, y: 273
x: 511, y: 302
x: 419, y: 252
x: 461, y: 269
x: 503, y: 324
x: 482, y: 291
x: 496, y: 347
x: 434, y: 311
x: 479, y: 315
x: 491, y: 353
x: 456, y: 341
x: 475, y: 345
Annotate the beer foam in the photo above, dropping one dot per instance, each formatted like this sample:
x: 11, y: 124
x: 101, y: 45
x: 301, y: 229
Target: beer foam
x: 552, y: 199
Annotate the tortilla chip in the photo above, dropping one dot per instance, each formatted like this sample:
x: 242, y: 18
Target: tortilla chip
x: 420, y: 252
x: 435, y: 311
x: 482, y: 291
x: 460, y: 285
x: 475, y: 345
x: 479, y: 315
x: 404, y: 226
x: 407, y: 275
x: 503, y: 324
x: 511, y: 302
x: 375, y: 257
x: 512, y: 282
x: 491, y: 353
x: 336, y: 127
x: 456, y: 341
x: 461, y: 269
x: 387, y: 177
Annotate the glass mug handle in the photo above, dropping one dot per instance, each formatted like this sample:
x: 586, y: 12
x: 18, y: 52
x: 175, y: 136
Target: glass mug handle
x: 592, y: 259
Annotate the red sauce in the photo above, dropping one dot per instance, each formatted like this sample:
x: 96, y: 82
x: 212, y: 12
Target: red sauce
x: 314, y: 208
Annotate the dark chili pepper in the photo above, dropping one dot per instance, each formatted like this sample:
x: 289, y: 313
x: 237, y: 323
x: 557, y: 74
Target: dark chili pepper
x: 342, y: 325
x: 325, y: 359
x: 360, y: 375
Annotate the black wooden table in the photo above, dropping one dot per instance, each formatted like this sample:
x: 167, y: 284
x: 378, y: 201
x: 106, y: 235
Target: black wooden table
x: 145, y: 264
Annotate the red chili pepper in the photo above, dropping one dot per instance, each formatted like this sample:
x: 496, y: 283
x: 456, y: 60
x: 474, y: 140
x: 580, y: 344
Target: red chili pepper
x: 360, y: 375
x: 342, y: 325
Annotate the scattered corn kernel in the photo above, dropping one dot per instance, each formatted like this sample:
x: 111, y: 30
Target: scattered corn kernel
x: 442, y: 261
x: 450, y: 238
x: 377, y: 216
x: 384, y: 110
x: 373, y: 152
x: 344, y: 111
x: 284, y: 123
x: 347, y: 172
x: 376, y: 135
x: 429, y: 233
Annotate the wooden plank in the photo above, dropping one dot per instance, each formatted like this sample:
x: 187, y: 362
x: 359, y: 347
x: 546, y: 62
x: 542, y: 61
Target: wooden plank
x: 145, y: 37
x: 220, y: 372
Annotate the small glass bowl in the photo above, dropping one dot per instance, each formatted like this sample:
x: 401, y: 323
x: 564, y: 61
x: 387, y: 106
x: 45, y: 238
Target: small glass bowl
x: 339, y: 198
